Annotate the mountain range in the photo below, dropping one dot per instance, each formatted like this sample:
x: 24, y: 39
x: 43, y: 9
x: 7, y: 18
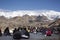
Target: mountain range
x: 50, y: 14
x: 27, y: 18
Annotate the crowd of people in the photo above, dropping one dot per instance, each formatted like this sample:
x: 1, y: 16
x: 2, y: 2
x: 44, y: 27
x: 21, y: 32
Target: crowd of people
x: 19, y: 32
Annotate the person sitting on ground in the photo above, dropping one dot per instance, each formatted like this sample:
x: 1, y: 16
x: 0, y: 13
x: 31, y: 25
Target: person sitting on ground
x: 17, y: 34
x: 14, y: 30
x: 48, y: 32
x: 7, y: 32
x: 0, y: 32
x: 24, y: 33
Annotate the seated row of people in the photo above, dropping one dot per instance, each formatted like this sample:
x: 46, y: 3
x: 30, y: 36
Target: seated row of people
x: 17, y: 33
x: 21, y: 33
x: 6, y: 32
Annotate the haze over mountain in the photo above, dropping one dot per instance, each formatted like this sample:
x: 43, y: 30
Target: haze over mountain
x: 51, y: 14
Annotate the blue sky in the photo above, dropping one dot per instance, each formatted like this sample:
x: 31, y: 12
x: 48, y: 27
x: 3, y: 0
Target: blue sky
x: 30, y: 5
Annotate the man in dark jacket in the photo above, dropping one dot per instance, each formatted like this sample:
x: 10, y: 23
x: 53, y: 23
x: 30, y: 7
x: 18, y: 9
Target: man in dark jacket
x: 16, y: 34
x: 25, y: 33
x: 6, y: 31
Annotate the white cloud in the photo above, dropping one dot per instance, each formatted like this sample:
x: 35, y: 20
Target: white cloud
x: 49, y: 13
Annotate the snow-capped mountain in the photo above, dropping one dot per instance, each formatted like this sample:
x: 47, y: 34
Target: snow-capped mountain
x: 50, y: 14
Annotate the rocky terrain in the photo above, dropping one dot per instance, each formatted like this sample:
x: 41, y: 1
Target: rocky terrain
x: 26, y: 20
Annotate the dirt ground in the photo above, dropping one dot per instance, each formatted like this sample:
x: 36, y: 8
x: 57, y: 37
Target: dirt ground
x: 33, y: 36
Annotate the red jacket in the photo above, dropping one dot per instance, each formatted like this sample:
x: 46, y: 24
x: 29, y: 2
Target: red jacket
x: 48, y: 32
